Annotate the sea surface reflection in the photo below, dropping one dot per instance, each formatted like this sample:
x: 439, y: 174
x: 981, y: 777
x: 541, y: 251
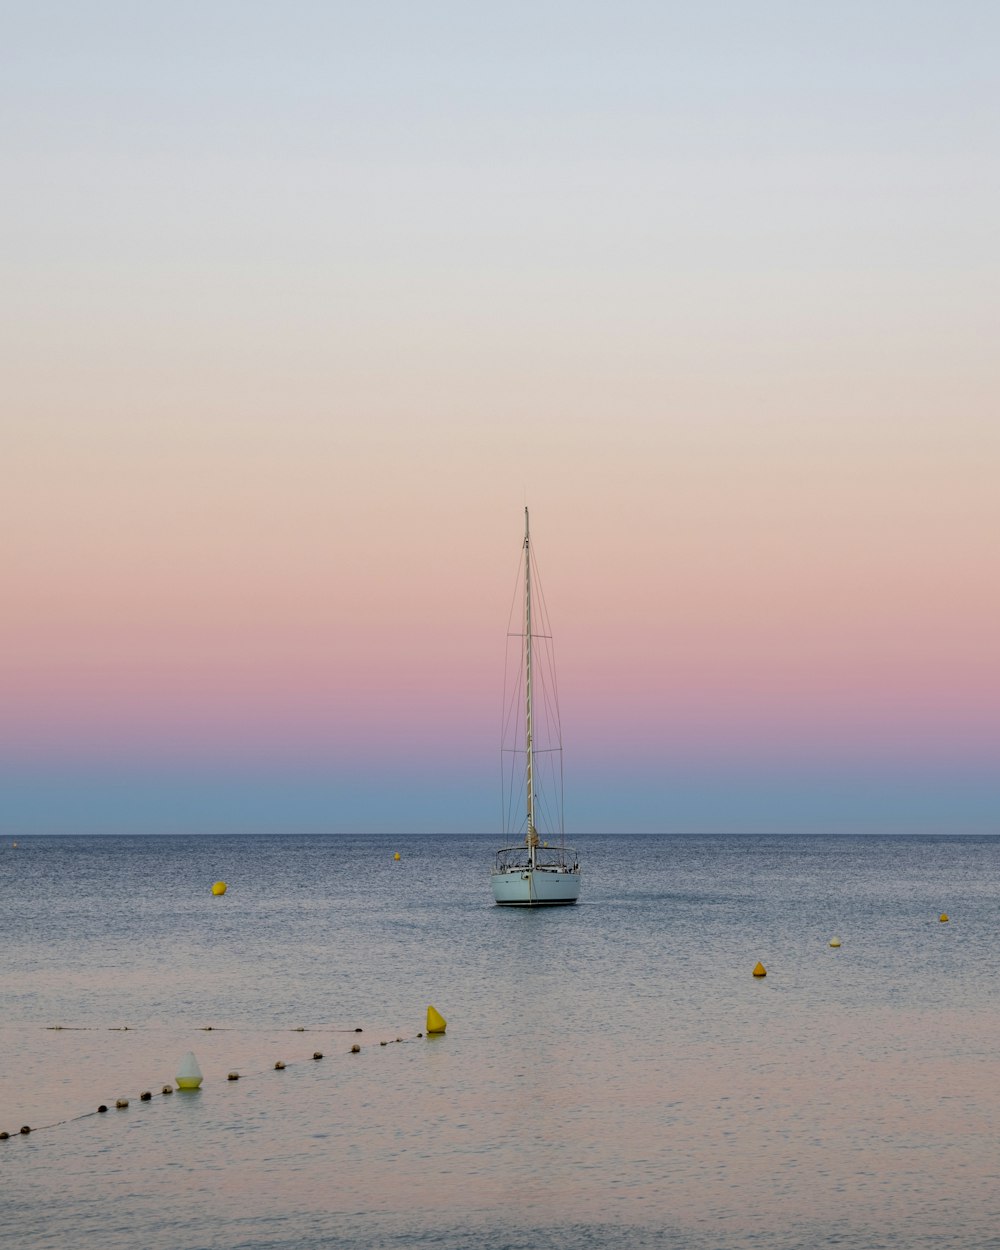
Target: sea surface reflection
x: 611, y: 1075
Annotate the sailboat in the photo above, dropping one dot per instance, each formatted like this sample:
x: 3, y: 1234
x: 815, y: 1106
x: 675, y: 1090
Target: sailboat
x: 541, y: 870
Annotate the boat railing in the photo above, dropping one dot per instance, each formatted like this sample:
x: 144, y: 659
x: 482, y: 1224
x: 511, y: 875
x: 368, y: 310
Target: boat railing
x: 558, y: 858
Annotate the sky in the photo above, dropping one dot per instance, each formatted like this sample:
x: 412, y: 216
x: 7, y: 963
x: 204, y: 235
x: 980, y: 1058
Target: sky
x: 302, y: 303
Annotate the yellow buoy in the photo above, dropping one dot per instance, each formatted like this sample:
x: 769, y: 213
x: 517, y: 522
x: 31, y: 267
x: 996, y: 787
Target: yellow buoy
x: 760, y: 970
x: 219, y: 888
x: 189, y: 1074
x: 835, y: 941
x: 436, y: 1023
x: 943, y: 917
x: 396, y: 856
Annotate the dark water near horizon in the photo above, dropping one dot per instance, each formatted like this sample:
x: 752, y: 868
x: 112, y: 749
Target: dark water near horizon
x: 612, y: 1074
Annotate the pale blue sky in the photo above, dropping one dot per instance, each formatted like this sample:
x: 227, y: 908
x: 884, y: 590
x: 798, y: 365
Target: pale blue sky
x: 686, y: 256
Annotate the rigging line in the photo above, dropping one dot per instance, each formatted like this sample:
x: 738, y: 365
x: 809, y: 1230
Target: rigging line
x: 517, y: 700
x: 510, y: 726
x: 553, y: 675
x: 546, y: 818
x: 517, y: 585
x: 551, y: 795
x: 507, y: 800
x: 537, y: 570
x: 545, y: 619
x: 509, y: 796
x: 513, y: 728
x: 505, y: 724
x: 562, y: 802
x: 549, y: 718
x: 503, y: 796
x: 544, y: 785
x: 549, y: 679
x: 506, y: 681
x: 535, y: 750
x: 554, y: 721
x: 507, y: 707
x: 508, y: 764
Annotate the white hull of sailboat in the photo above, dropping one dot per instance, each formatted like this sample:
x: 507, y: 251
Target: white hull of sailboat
x: 522, y: 887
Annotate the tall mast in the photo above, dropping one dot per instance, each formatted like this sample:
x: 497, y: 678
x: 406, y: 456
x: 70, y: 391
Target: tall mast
x: 532, y: 837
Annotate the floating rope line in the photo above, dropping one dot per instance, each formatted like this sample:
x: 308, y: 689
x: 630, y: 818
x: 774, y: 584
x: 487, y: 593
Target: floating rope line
x: 201, y: 1028
x: 121, y: 1104
x: 89, y: 1028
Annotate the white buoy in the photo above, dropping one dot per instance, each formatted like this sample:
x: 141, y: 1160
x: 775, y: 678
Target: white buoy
x: 189, y: 1074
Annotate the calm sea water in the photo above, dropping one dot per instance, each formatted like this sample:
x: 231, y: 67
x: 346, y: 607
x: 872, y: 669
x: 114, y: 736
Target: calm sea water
x: 612, y: 1074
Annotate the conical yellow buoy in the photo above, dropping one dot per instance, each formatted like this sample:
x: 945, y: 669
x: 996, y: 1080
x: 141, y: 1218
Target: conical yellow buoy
x: 219, y: 887
x: 835, y: 941
x: 760, y: 970
x: 189, y: 1074
x: 396, y: 856
x: 943, y: 917
x: 436, y: 1023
